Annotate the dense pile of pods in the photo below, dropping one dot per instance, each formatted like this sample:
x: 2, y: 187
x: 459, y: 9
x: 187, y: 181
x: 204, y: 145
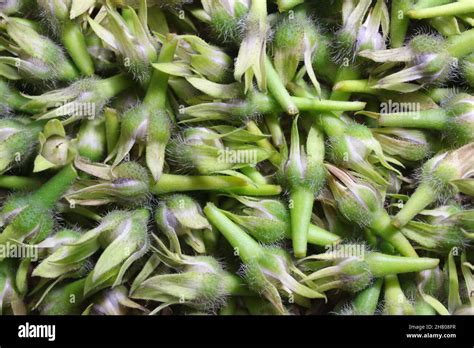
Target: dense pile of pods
x: 236, y: 157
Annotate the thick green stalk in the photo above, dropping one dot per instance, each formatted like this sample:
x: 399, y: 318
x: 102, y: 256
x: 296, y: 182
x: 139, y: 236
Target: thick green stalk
x: 365, y: 302
x: 285, y: 5
x: 50, y: 192
x: 302, y: 201
x: 428, y: 119
x: 461, y: 45
x: 276, y: 157
x: 321, y: 237
x: 234, y: 285
x: 399, y: 22
x: 266, y: 104
x: 254, y: 190
x: 12, y: 182
x: 278, y: 90
x: 307, y: 104
x: 343, y: 74
x: 383, y: 227
x: 112, y: 86
x: 423, y: 196
x: 273, y: 124
x: 112, y: 128
x: 254, y: 174
x: 396, y: 302
x: 452, y: 9
x: 181, y: 183
x: 381, y: 265
x: 248, y: 249
x: 75, y: 43
x: 156, y: 92
x: 355, y: 86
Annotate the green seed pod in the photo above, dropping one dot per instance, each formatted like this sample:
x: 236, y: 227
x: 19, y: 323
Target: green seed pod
x: 295, y: 40
x: 268, y: 270
x: 9, y: 7
x: 396, y: 302
x: 427, y: 62
x: 207, y: 60
x: 267, y: 220
x: 55, y: 11
x: 128, y: 184
x: 467, y: 68
x: 408, y: 144
x: 91, y: 140
x: 357, y: 200
x: 114, y: 302
x: 64, y: 299
x: 207, y: 152
x: 443, y: 171
x: 73, y: 256
x: 122, y: 247
x: 181, y: 216
x: 41, y: 58
x: 144, y: 125
x: 18, y: 139
x: 225, y: 18
x: 31, y: 218
x: 460, y: 127
x: 83, y: 99
x: 355, y: 148
x: 136, y: 48
x: 56, y: 149
x: 10, y: 298
x: 200, y: 283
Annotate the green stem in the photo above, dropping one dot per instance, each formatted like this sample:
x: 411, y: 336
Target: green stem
x: 383, y: 227
x: 439, y: 94
x: 156, y: 93
x: 381, y: 265
x: 285, y: 5
x: 112, y: 128
x: 278, y: 90
x: 427, y: 119
x: 396, y: 302
x: 75, y: 43
x: 254, y: 174
x: 332, y: 125
x: 365, y: 303
x: 112, y: 86
x: 19, y: 183
x: 247, y: 248
x: 54, y: 188
x: 399, y: 22
x: 423, y: 196
x: 276, y: 157
x: 343, y: 74
x: 234, y: 285
x: 181, y: 183
x: 265, y: 104
x: 461, y: 45
x: 254, y: 190
x: 307, y: 104
x: 300, y: 215
x: 321, y: 237
x: 452, y: 9
x: 273, y: 124
x: 355, y: 86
